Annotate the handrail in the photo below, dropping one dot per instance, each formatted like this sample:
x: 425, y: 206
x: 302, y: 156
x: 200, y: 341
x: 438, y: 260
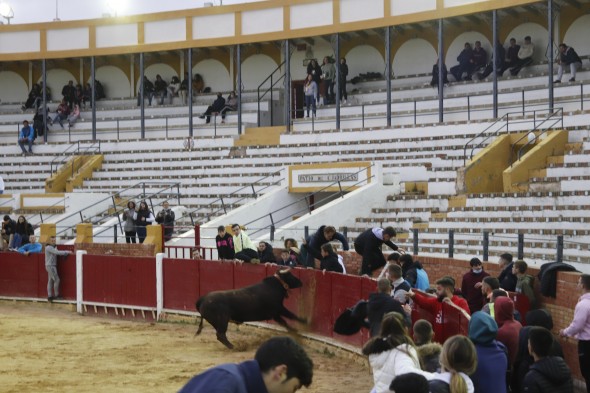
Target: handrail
x: 306, y: 198
x: 558, y: 111
x: 505, y: 120
x: 251, y: 186
x: 84, y: 150
x: 260, y: 97
x: 140, y: 195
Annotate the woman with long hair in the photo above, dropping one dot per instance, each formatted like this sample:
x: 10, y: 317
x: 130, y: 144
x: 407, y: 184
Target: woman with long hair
x: 310, y: 89
x: 23, y: 230
x: 329, y: 261
x: 129, y: 217
x: 392, y: 353
x: 143, y: 218
x: 458, y: 360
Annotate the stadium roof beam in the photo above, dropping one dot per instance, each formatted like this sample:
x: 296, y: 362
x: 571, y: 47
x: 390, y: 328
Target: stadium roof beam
x: 360, y: 33
x: 573, y: 3
x: 454, y: 21
x: 510, y: 11
x: 532, y: 9
x: 308, y: 41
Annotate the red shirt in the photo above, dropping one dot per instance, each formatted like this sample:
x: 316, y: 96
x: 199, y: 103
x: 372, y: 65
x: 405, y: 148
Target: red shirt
x: 435, y: 307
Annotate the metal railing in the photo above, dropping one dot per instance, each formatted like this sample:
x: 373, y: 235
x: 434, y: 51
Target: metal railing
x: 310, y: 206
x: 503, y: 125
x: 98, y: 217
x: 222, y: 200
x: 553, y: 119
x: 270, y: 90
x: 64, y: 156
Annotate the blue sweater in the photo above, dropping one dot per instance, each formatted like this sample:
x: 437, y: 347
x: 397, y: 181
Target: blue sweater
x: 228, y: 378
x: 32, y: 248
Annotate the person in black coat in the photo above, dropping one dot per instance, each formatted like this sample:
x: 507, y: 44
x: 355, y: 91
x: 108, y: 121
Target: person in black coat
x: 314, y: 69
x: 524, y: 360
x: 329, y: 261
x: 511, y: 59
x: 507, y: 278
x: 549, y: 374
x: 368, y: 244
x: 265, y: 253
x: 217, y: 106
x: 343, y: 75
x: 465, y: 64
x: 434, y: 81
x: 323, y: 235
x: 379, y: 304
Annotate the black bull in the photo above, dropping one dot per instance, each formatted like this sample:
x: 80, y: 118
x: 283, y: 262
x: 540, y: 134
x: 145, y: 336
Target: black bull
x: 258, y: 302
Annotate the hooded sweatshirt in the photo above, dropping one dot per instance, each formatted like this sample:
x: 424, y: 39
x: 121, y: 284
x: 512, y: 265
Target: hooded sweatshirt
x: 472, y: 294
x: 492, y: 360
x: 508, y: 328
x: 549, y: 375
x: 380, y: 304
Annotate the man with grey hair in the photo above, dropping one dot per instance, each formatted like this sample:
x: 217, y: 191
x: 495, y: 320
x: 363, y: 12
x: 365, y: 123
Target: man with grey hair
x: 381, y: 303
x: 51, y: 254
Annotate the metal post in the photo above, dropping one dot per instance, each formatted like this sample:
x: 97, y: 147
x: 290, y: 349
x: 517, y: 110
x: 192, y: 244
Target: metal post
x: 271, y: 106
x: 415, y: 231
x: 287, y: 86
x: 415, y: 112
x: 523, y: 102
x: 197, y: 235
x: 520, y: 246
x: 141, y: 96
x: 468, y: 108
x: 486, y: 245
x: 305, y: 232
x: 345, y: 232
x: 363, y: 116
x: 272, y: 233
x: 239, y: 83
x: 115, y: 233
x: 581, y: 96
x: 550, y: 54
x: 388, y: 72
x: 93, y: 95
x: 451, y: 243
x: 189, y: 91
x: 494, y: 64
x: 44, y: 103
x: 337, y: 54
x: 440, y: 71
x: 560, y: 248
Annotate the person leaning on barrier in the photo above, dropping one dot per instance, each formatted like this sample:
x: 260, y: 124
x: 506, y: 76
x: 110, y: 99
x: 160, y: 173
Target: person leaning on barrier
x: 280, y: 365
x: 51, y: 254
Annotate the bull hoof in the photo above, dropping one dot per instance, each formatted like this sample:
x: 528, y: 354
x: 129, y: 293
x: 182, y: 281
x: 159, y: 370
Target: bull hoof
x: 223, y: 339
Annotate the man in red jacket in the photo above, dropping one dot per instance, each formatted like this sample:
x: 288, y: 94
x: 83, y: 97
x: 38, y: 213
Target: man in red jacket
x: 445, y: 288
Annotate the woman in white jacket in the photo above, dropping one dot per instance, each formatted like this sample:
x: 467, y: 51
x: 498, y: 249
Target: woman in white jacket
x: 392, y: 353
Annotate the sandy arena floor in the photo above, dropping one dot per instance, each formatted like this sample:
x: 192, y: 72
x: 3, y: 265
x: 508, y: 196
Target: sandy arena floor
x: 50, y: 348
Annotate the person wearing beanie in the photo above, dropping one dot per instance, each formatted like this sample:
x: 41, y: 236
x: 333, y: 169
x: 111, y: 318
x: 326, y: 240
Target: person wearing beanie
x: 491, y: 354
x: 508, y: 328
x: 471, y: 285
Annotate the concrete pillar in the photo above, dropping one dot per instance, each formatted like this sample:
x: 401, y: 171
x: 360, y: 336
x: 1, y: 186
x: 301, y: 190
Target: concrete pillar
x: 154, y: 236
x: 84, y: 233
x: 47, y: 231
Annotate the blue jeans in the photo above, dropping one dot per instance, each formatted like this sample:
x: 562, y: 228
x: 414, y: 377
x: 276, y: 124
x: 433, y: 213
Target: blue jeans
x: 29, y: 141
x: 141, y: 233
x: 310, y: 103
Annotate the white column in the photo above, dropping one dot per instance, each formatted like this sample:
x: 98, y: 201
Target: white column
x: 159, y: 284
x: 79, y: 281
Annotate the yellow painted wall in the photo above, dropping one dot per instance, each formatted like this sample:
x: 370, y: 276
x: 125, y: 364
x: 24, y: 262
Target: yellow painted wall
x: 84, y: 233
x: 536, y: 158
x: 47, y: 231
x: 483, y: 174
x: 154, y: 236
x: 91, y: 163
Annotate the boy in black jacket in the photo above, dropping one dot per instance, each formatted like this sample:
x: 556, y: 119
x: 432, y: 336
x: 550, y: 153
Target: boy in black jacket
x: 225, y: 244
x: 368, y: 244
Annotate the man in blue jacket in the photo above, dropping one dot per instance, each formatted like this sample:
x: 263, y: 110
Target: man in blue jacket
x: 32, y: 247
x: 26, y: 136
x: 280, y: 365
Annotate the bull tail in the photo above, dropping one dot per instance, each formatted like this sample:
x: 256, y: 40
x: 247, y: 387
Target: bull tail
x: 200, y: 327
x: 198, y: 306
x: 199, y: 302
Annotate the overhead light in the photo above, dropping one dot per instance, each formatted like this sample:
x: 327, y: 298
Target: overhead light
x: 6, y: 12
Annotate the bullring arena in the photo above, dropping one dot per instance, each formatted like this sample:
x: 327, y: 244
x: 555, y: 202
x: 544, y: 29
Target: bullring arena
x: 490, y: 163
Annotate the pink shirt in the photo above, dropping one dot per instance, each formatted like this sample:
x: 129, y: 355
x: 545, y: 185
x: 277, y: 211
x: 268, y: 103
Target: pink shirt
x: 580, y: 326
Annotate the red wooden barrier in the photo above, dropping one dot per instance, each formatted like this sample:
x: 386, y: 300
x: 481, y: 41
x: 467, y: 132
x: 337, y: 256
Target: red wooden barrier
x: 215, y: 276
x: 346, y: 290
x: 181, y: 284
x: 19, y: 275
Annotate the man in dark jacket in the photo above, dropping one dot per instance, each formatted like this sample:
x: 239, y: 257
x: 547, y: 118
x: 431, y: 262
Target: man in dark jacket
x: 567, y: 57
x: 324, y: 234
x: 368, y: 245
x: 479, y: 58
x: 265, y: 253
x: 410, y: 270
x: 216, y: 107
x: 148, y: 91
x: 507, y: 278
x: 464, y: 60
x: 166, y: 218
x: 498, y: 58
x: 8, y: 231
x: 380, y: 303
x: 280, y: 365
x: 69, y: 94
x: 549, y: 374
x: 511, y: 59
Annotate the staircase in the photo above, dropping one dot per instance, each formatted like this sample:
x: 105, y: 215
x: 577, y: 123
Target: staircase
x: 261, y: 136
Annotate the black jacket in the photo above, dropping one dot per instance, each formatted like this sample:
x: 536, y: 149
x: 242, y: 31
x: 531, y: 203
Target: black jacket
x: 410, y: 272
x: 218, y: 104
x: 9, y: 227
x: 267, y: 255
x: 507, y: 278
x: 380, y: 304
x: 166, y: 217
x: 548, y: 276
x: 570, y: 56
x: 368, y: 241
x: 549, y: 375
x: 330, y: 263
x: 315, y: 242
